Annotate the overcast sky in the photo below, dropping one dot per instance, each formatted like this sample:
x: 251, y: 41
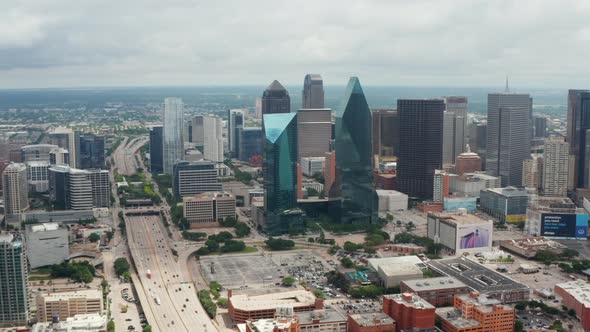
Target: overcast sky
x: 71, y: 43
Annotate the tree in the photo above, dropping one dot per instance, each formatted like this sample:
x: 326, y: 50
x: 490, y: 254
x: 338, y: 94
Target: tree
x: 121, y: 266
x: 233, y: 246
x: 111, y: 326
x: 126, y: 275
x: 569, y: 253
x: 288, y: 281
x: 351, y: 247
x: 212, y: 245
x: 311, y: 192
x: 147, y: 328
x: 94, y: 237
x: 279, y: 244
x: 203, y: 251
x: 410, y: 226
x: 374, y: 240
x: 347, y: 262
x: 242, y: 229
x: 518, y: 326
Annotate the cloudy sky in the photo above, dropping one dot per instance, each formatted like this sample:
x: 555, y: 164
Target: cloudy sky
x: 71, y: 43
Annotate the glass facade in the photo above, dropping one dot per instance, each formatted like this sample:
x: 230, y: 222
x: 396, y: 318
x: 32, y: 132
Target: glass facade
x: 280, y: 174
x: 353, y: 158
x: 250, y: 142
x: 14, y: 279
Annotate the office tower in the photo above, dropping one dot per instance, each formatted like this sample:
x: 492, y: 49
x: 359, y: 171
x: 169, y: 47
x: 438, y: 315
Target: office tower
x: 314, y: 128
x: 313, y: 91
x: 235, y: 121
x: 532, y: 171
x: 385, y: 132
x: 187, y: 131
x: 3, y: 164
x: 467, y: 162
x: 47, y: 244
x: 478, y: 138
x: 275, y: 99
x: 173, y: 141
x: 441, y: 185
x: 77, y: 189
x: 508, y: 136
x: 67, y: 139
x: 156, y: 149
x: 454, y: 128
x: 36, y: 152
x: 540, y: 125
x: 258, y: 108
x: 555, y: 166
x: 280, y: 174
x: 190, y: 178
x: 354, y: 157
x: 205, y: 210
x: 15, y: 189
x: 578, y: 137
x: 37, y: 176
x: 421, y: 132
x: 14, y: 281
x: 251, y: 140
x: 59, y: 156
x: 198, y: 130
x: 213, y: 138
x: 91, y: 151
x: 329, y: 173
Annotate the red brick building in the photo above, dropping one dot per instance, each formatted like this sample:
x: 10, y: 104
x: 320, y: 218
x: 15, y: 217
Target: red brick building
x: 373, y: 322
x: 409, y: 311
x: 439, y: 292
x: 470, y: 314
x: 575, y: 295
x: 467, y: 162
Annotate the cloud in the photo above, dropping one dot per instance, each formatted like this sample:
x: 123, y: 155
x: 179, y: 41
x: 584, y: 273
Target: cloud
x: 48, y: 43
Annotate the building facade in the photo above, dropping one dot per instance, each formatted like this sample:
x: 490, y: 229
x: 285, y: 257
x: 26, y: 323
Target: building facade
x: 36, y: 152
x: 157, y: 149
x: 555, y: 167
x: 507, y: 204
x: 92, y: 151
x: 409, y: 311
x: 468, y: 162
x: 460, y: 232
x: 68, y: 304
x: 59, y: 156
x: 198, y: 132
x: 76, y: 189
x: 314, y: 128
x: 578, y: 124
x: 190, y: 178
x: 173, y: 140
x: 213, y: 139
x: 208, y: 208
x: 385, y: 132
x: 15, y: 189
x: 14, y: 281
x: 275, y: 99
x: 68, y: 139
x: 313, y: 91
x: 250, y: 142
x: 37, y: 176
x: 235, y: 122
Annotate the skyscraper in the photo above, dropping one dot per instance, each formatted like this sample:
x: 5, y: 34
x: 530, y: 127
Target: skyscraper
x: 36, y: 152
x: 275, y: 99
x: 385, y: 132
x: 191, y: 178
x: 540, y: 123
x: 213, y: 138
x: 198, y: 130
x: 508, y: 136
x: 578, y: 137
x: 15, y: 189
x: 156, y: 149
x: 235, y: 121
x: 78, y: 189
x: 313, y: 91
x: 173, y: 141
x: 14, y: 281
x: 59, y: 156
x: 555, y: 166
x: 314, y: 128
x: 91, y: 151
x: 421, y: 132
x: 251, y: 141
x: 68, y: 139
x: 354, y: 157
x: 280, y: 174
x: 454, y: 128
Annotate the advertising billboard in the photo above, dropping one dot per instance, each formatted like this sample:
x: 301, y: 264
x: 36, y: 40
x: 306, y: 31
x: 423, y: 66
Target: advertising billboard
x: 564, y: 225
x: 474, y: 236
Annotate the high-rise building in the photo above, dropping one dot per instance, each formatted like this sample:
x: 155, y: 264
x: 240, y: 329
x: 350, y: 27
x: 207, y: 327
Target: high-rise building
x: 441, y: 185
x: 235, y: 121
x: 15, y: 189
x: 421, y: 132
x: 68, y: 139
x: 213, y: 138
x: 37, y: 176
x: 190, y: 178
x: 578, y: 137
x: 475, y: 314
x: 555, y: 166
x: 251, y: 140
x: 467, y: 162
x: 540, y: 125
x: 36, y: 152
x: 101, y: 188
x: 14, y: 281
x: 77, y: 189
x: 198, y: 130
x: 280, y: 174
x: 385, y: 132
x: 313, y: 91
x: 329, y: 173
x: 92, y: 151
x: 258, y: 108
x: 275, y: 99
x: 205, y: 210
x: 314, y: 132
x: 59, y: 156
x: 478, y: 139
x: 532, y: 171
x: 454, y: 128
x: 156, y: 149
x: 173, y: 141
x: 359, y: 200
x: 508, y: 136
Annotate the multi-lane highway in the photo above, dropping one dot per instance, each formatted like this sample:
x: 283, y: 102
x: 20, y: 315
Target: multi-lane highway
x: 124, y: 155
x: 171, y: 296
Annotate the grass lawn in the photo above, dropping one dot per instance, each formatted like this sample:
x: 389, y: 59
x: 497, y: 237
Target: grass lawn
x: 39, y: 278
x: 247, y: 250
x: 41, y: 270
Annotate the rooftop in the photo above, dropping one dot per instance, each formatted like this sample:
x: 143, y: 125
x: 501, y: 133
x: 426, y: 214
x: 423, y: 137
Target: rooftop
x: 50, y: 226
x: 326, y: 315
x: 84, y: 322
x: 295, y: 298
x: 509, y: 191
x: 372, y: 319
x: 433, y: 283
x: 268, y: 325
x: 458, y: 218
x: 579, y: 289
x: 477, y: 176
x: 64, y: 296
x: 400, y: 265
x: 534, y: 243
x: 454, y: 317
x: 410, y: 300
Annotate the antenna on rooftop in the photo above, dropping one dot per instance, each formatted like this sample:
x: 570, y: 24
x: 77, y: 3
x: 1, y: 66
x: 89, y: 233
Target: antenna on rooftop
x: 507, y: 88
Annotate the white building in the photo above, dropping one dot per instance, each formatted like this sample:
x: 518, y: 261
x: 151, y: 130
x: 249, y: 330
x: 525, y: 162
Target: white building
x: 48, y: 244
x: 66, y: 138
x: 393, y: 270
x: 312, y: 165
x: 37, y: 176
x: 314, y: 128
x: 208, y: 208
x: 556, y: 217
x: 391, y: 200
x: 15, y: 189
x: 532, y: 171
x: 470, y: 184
x: 222, y: 170
x: 213, y: 138
x: 86, y: 323
x: 59, y: 156
x: 555, y: 166
x: 460, y: 232
x: 173, y: 133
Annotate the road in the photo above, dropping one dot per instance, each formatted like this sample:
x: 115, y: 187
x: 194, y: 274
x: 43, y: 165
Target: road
x: 179, y: 308
x: 124, y: 155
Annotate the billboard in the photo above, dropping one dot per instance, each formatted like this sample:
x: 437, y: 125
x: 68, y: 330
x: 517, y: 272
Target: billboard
x: 564, y: 225
x: 515, y: 217
x: 474, y: 236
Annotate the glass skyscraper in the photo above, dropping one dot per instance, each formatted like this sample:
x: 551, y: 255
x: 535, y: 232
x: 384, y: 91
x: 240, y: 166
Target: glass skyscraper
x: 275, y: 99
x: 14, y: 281
x: 354, y: 157
x: 280, y: 174
x: 173, y: 133
x: 156, y: 149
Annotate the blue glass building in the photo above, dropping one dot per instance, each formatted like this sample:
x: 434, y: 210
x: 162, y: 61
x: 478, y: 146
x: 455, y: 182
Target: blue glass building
x: 353, y: 158
x: 250, y: 142
x: 280, y: 174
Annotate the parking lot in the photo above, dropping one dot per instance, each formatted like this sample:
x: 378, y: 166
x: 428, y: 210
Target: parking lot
x: 357, y: 306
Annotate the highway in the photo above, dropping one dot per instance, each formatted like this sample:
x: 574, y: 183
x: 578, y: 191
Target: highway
x: 124, y: 155
x: 179, y: 308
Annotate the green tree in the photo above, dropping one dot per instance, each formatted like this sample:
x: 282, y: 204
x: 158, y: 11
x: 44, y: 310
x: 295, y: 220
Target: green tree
x: 203, y: 251
x: 518, y: 326
x: 121, y: 266
x: 147, y: 328
x: 94, y: 237
x: 351, y: 247
x: 111, y: 326
x: 288, y: 281
x: 346, y: 262
x: 279, y: 244
x: 242, y: 229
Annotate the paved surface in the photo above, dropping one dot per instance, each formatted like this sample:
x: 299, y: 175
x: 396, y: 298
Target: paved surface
x: 179, y: 308
x: 124, y: 156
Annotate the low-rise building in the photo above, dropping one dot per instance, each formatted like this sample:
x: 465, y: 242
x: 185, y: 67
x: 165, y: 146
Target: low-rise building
x: 312, y: 165
x: 409, y: 311
x: 392, y: 270
x: 438, y: 291
x: 370, y: 322
x: 48, y: 244
x: 507, y: 204
x: 471, y: 184
x: 576, y: 295
x: 322, y: 320
x: 207, y: 209
x: 86, y: 323
x: 528, y: 247
x: 556, y: 217
x: 472, y: 313
x: 68, y: 304
x: 460, y: 232
x: 243, y: 307
x: 391, y: 200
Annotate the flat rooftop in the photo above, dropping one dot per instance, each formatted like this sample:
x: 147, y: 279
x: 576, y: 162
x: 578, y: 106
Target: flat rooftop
x: 410, y: 300
x: 325, y: 315
x: 475, y: 275
x: 372, y: 319
x: 398, y: 262
x: 295, y: 298
x: 579, y: 289
x: 509, y: 191
x: 433, y: 283
x: 454, y: 317
x: 458, y: 218
x: 534, y: 243
x: 63, y: 296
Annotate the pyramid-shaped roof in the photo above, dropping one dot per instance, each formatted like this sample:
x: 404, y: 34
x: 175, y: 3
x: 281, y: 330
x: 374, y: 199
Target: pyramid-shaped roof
x: 275, y: 86
x: 275, y: 124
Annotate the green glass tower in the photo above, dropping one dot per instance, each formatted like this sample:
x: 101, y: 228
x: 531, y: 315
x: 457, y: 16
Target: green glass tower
x: 280, y: 174
x: 14, y: 281
x: 353, y: 158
